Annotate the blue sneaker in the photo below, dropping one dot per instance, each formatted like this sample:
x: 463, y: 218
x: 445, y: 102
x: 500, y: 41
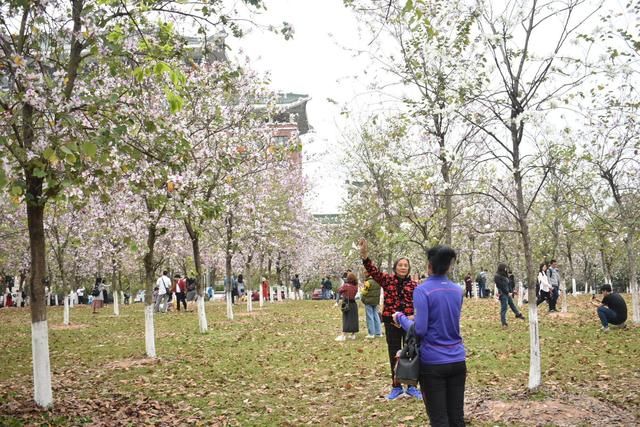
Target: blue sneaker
x: 396, y: 392
x: 414, y: 392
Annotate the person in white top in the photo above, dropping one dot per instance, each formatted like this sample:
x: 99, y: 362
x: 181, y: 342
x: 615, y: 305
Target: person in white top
x: 163, y: 284
x: 545, y: 286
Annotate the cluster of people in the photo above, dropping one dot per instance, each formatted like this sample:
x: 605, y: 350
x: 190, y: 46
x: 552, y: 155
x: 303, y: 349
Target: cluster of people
x: 548, y: 285
x: 432, y: 310
x: 184, y: 289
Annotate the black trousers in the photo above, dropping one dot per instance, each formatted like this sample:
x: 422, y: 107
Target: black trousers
x: 443, y: 393
x: 181, y: 296
x: 555, y: 293
x: 544, y: 296
x: 395, y: 341
x: 468, y: 293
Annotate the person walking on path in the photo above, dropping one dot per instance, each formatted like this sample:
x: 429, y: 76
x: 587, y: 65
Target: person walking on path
x: 398, y: 296
x: 296, y: 287
x: 370, y: 296
x: 180, y: 289
x: 613, y: 309
x: 163, y: 284
x: 468, y: 286
x: 98, y: 296
x: 482, y: 283
x: 544, y: 286
x: 554, y: 281
x: 504, y: 294
x: 348, y: 293
x: 443, y: 370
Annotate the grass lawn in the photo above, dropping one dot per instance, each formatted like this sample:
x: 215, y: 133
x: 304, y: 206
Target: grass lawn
x: 281, y: 366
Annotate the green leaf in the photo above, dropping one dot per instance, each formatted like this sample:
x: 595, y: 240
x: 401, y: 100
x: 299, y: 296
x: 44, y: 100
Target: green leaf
x: 16, y: 190
x: 3, y: 177
x: 49, y: 153
x: 39, y: 173
x: 408, y: 6
x: 89, y: 149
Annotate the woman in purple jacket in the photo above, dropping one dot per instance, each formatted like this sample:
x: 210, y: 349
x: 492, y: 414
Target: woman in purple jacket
x: 437, y: 303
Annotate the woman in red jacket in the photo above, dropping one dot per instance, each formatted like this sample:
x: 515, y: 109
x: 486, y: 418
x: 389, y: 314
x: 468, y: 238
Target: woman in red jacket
x: 398, y: 297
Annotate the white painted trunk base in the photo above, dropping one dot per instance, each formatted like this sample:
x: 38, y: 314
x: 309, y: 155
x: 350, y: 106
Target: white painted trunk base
x: 535, y: 372
x: 42, y: 393
x: 272, y: 297
x: 261, y: 296
x: 149, y: 332
x: 19, y: 299
x: 587, y: 288
x: 635, y: 303
x: 55, y: 298
x: 573, y: 287
x: 520, y: 294
x: 116, y: 304
x: 71, y: 299
x: 564, y: 298
x: 65, y: 315
x: 202, y: 315
x: 229, y: 306
x: 279, y: 292
x: 123, y: 298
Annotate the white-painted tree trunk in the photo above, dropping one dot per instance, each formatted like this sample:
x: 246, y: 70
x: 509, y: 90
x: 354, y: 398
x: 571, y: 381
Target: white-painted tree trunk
x: 475, y: 290
x: 520, y: 294
x: 261, y: 296
x: 564, y: 298
x: 248, y: 302
x: 65, y: 316
x: 587, y: 288
x: 573, y: 287
x: 41, y: 367
x: 279, y: 291
x: 123, y: 298
x: 535, y: 371
x: 635, y: 304
x: 229, y: 306
x: 55, y: 298
x: 116, y: 304
x: 19, y: 299
x: 149, y: 332
x: 71, y: 299
x: 272, y: 297
x: 202, y: 315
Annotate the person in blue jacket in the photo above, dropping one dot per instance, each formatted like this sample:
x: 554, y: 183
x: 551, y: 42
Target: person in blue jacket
x: 438, y: 303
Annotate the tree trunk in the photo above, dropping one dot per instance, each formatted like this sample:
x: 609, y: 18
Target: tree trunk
x: 195, y: 245
x: 149, y: 332
x: 114, y: 279
x: 633, y: 276
x: 65, y: 315
x: 448, y: 191
x: 42, y: 393
x: 227, y: 265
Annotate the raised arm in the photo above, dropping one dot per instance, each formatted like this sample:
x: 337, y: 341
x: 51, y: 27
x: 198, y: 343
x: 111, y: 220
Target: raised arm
x: 373, y: 271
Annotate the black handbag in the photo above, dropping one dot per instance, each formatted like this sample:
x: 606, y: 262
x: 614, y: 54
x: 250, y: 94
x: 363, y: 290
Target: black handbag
x: 346, y: 305
x: 408, y: 364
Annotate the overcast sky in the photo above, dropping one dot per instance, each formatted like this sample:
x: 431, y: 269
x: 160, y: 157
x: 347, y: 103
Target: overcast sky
x: 314, y: 62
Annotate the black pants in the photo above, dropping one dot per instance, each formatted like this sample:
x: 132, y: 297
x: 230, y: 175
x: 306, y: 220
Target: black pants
x: 395, y: 341
x: 468, y: 293
x: 181, y: 296
x: 542, y: 297
x: 555, y: 293
x: 443, y: 393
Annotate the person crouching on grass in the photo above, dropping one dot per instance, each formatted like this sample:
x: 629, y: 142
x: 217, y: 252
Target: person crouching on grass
x: 443, y: 370
x: 348, y: 293
x: 398, y: 296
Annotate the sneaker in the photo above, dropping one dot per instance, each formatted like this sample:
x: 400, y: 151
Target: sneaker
x: 620, y: 326
x: 352, y: 336
x: 396, y: 392
x: 604, y: 329
x: 370, y: 337
x: 340, y: 338
x: 414, y: 392
x: 380, y: 336
x: 520, y: 316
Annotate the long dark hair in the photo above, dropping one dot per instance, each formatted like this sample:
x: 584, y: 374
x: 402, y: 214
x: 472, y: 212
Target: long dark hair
x: 502, y: 269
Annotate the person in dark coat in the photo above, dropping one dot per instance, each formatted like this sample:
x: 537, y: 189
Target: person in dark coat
x: 504, y: 294
x: 348, y: 293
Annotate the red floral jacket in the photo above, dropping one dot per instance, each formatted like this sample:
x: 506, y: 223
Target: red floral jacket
x: 394, y: 299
